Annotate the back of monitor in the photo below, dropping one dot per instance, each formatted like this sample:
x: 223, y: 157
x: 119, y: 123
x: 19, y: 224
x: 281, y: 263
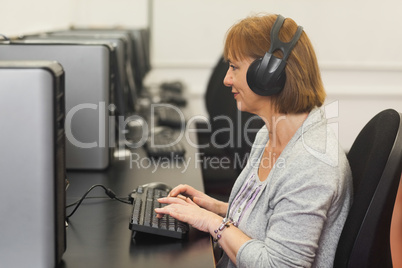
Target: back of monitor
x: 123, y: 90
x: 126, y: 61
x: 88, y: 95
x: 32, y: 164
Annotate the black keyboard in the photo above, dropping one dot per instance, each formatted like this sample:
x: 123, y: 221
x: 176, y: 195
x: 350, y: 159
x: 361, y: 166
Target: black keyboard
x: 167, y: 116
x: 164, y: 144
x: 173, y: 97
x: 144, y: 219
x: 173, y: 86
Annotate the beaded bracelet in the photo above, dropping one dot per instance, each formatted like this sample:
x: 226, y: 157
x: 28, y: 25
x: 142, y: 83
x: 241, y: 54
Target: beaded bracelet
x: 226, y: 222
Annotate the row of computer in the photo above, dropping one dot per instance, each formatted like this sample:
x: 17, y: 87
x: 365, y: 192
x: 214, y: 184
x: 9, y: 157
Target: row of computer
x: 64, y: 96
x: 104, y: 73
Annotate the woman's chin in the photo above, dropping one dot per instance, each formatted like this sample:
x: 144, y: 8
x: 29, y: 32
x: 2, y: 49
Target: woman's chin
x: 240, y: 106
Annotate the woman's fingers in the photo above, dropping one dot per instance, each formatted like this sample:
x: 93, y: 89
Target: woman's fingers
x: 172, y: 200
x: 171, y: 210
x: 180, y: 199
x: 183, y: 189
x: 177, y: 190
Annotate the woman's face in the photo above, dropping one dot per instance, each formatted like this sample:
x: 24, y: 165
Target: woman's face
x: 246, y: 99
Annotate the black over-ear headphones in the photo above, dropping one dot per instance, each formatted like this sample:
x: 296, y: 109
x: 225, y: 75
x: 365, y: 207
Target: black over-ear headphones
x: 266, y: 76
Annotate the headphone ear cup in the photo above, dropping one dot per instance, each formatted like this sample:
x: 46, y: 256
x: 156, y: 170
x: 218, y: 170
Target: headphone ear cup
x: 264, y: 81
x: 266, y: 76
x: 252, y: 74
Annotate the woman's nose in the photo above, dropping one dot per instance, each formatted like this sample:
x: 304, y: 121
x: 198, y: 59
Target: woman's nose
x: 227, y: 81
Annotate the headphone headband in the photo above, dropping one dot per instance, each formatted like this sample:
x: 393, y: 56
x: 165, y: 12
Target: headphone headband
x: 266, y: 76
x: 276, y: 43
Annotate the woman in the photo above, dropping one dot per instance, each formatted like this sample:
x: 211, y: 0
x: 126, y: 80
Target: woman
x: 288, y: 206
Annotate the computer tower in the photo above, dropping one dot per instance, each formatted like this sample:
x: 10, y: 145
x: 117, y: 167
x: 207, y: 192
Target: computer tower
x: 125, y: 50
x: 125, y: 93
x: 32, y: 164
x: 89, y: 89
x: 139, y: 48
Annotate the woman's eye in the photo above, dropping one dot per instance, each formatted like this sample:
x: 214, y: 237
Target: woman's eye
x: 233, y: 67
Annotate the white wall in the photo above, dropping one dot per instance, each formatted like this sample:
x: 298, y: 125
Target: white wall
x: 361, y: 35
x: 24, y: 16
x: 357, y: 42
x: 342, y: 31
x: 132, y: 13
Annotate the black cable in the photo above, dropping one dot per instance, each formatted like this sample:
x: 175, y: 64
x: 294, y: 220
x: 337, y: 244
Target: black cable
x: 88, y: 197
x: 108, y: 192
x: 99, y: 197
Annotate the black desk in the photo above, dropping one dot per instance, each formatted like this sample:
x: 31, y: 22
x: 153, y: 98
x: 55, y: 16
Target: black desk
x: 98, y: 233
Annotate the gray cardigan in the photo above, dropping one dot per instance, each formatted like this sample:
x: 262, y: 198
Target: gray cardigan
x: 298, y: 216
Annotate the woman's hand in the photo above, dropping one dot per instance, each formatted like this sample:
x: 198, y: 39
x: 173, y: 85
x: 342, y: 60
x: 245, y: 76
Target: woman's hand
x: 199, y: 198
x: 185, y: 210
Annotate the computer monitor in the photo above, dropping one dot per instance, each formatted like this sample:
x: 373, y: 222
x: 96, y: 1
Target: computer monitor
x: 139, y: 49
x: 123, y: 44
x: 146, y: 37
x: 140, y: 56
x: 90, y: 121
x: 32, y: 164
x: 121, y: 89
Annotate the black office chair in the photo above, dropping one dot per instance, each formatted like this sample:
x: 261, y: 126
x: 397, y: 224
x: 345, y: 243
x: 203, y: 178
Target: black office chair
x: 376, y: 162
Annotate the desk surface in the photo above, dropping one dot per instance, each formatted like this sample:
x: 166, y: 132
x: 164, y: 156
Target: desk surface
x: 98, y: 233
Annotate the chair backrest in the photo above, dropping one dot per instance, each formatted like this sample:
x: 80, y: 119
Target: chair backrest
x: 376, y: 162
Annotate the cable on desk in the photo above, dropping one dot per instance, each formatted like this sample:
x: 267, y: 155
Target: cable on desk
x: 108, y: 192
x: 88, y: 197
